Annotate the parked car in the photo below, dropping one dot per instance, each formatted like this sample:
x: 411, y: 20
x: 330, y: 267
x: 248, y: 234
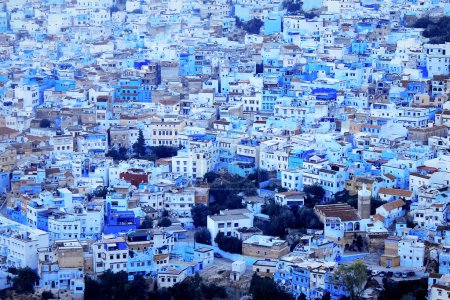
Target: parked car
x: 404, y: 274
x: 217, y: 255
x: 411, y: 274
x: 369, y: 272
x: 382, y: 273
x: 389, y: 274
x: 374, y: 273
x: 398, y: 274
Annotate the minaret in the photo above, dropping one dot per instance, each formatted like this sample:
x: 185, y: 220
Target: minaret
x: 364, y: 202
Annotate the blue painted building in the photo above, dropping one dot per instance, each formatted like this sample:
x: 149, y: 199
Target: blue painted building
x: 335, y: 288
x: 5, y: 183
x: 241, y: 168
x: 297, y: 156
x: 242, y: 12
x: 444, y: 261
x: 272, y: 24
x: 62, y: 85
x: 300, y: 282
x: 132, y: 89
x: 4, y: 22
x: 191, y: 63
x: 42, y: 219
x: 44, y: 82
x: 119, y: 221
x: 413, y: 88
x: 269, y: 99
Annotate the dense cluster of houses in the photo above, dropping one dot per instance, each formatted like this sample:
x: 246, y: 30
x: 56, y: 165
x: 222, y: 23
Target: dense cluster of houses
x: 348, y: 96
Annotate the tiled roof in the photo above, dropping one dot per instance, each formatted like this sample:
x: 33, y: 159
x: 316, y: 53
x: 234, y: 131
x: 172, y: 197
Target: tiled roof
x: 342, y: 211
x: 378, y: 217
x: 393, y: 205
x: 395, y: 192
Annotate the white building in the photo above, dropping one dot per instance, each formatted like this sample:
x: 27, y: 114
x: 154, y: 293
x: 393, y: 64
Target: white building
x: 204, y: 256
x: 179, y: 204
x: 390, y: 211
x: 110, y: 254
x: 63, y: 226
x: 292, y: 180
x: 19, y: 244
x: 411, y: 252
x: 170, y: 277
x: 437, y: 58
x: 228, y: 221
x: 199, y: 158
x: 290, y: 198
x: 430, y: 216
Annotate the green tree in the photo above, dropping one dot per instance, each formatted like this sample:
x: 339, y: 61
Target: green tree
x: 314, y: 194
x: 116, y: 286
x: 194, y: 288
x: 305, y: 217
x: 91, y: 288
x: 353, y: 278
x: 283, y: 217
x: 230, y: 186
x: 422, y: 23
x: 46, y: 295
x: 210, y: 177
x: 199, y: 214
x: 260, y: 175
x: 264, y: 288
x: 229, y: 244
x: 203, y: 236
x: 341, y: 196
x: 293, y: 7
x: 438, y: 32
x: 139, y: 146
x: 310, y: 15
x: 118, y: 155
x: 101, y: 192
x: 164, y: 222
x: 25, y: 280
x: 392, y: 289
x: 147, y: 223
x: 326, y: 296
x: 163, y: 152
x: 213, y: 291
x: 253, y: 26
x: 137, y: 288
x: 45, y: 123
